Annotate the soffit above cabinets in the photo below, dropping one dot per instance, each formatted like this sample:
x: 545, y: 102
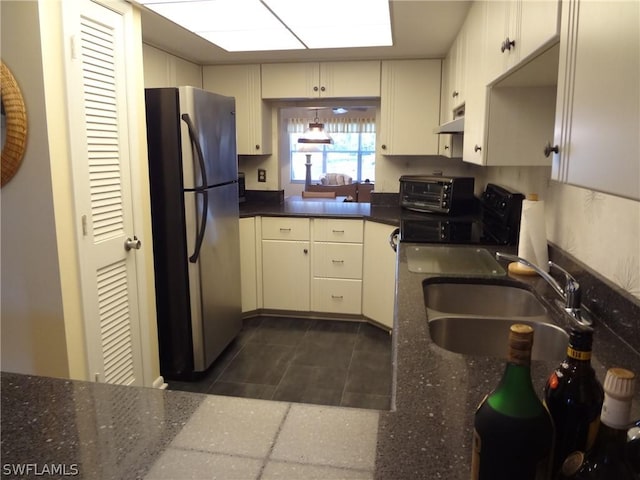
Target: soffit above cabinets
x: 421, y: 29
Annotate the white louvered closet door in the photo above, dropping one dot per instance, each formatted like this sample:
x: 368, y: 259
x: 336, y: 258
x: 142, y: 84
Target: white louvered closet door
x: 97, y: 99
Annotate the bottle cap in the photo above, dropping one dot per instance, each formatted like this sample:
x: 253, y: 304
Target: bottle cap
x: 520, y: 343
x: 619, y: 383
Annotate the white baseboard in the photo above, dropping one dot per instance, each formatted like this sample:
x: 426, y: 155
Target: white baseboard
x: 159, y: 383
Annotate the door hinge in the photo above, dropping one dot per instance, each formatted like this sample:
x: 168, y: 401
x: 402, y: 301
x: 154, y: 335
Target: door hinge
x: 84, y: 225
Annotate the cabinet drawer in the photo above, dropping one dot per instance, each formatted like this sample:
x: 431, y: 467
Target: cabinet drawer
x: 337, y: 296
x: 335, y: 230
x: 337, y: 260
x: 285, y: 228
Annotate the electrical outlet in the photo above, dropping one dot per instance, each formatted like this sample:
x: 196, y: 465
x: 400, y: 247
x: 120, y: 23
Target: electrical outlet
x: 262, y: 175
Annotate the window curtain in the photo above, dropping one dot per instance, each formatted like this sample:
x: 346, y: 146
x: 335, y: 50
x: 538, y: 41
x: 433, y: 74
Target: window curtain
x: 334, y: 125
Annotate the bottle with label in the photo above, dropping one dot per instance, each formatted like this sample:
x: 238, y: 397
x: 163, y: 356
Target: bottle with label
x: 513, y: 431
x: 574, y: 398
x: 608, y: 458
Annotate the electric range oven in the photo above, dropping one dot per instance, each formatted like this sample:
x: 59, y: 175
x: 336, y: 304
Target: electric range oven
x: 494, y: 219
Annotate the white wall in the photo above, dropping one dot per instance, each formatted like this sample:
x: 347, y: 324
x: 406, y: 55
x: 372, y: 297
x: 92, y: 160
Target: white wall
x: 33, y: 328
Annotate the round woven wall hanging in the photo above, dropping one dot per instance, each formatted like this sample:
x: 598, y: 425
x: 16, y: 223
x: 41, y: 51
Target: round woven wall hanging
x: 15, y: 125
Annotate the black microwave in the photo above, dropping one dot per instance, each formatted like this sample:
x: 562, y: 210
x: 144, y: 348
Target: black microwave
x: 435, y: 193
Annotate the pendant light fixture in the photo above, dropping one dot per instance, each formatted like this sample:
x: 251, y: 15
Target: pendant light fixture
x: 315, y: 134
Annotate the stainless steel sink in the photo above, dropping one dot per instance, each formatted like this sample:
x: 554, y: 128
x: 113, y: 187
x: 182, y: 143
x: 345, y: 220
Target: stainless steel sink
x: 488, y: 300
x: 489, y: 336
x: 474, y: 318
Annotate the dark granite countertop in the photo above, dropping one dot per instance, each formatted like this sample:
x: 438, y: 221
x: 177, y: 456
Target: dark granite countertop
x: 297, y: 207
x: 120, y: 432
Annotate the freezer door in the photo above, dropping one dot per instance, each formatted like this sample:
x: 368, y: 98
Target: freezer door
x: 208, y: 131
x: 214, y: 278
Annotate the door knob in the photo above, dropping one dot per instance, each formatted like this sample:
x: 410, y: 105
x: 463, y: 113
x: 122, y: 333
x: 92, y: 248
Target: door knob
x: 132, y: 244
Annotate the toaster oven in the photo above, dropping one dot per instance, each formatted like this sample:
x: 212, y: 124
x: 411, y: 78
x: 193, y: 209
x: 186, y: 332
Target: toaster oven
x: 435, y: 193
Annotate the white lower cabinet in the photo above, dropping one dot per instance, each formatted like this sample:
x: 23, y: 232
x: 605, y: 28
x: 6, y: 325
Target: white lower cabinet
x: 337, y: 295
x: 379, y: 274
x: 248, y: 265
x: 286, y: 263
x: 337, y: 266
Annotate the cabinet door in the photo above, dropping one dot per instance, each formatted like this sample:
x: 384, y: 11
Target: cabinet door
x: 496, y: 28
x: 410, y: 107
x: 337, y: 230
x: 253, y: 115
x: 597, y: 121
x: 286, y: 275
x: 350, y: 79
x: 337, y: 260
x: 285, y: 228
x: 321, y: 80
x: 379, y: 274
x: 290, y: 80
x: 540, y: 25
x: 248, y: 267
x: 337, y: 296
x: 476, y: 87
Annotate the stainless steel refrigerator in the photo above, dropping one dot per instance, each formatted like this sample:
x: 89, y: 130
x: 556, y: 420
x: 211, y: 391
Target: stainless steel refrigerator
x: 193, y: 174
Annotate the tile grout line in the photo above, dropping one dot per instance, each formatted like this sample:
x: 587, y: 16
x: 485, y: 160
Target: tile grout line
x: 346, y: 380
x: 273, y: 444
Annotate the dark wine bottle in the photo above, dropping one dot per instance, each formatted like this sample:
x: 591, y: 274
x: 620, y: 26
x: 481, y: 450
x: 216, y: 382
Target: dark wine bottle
x: 608, y: 458
x: 574, y: 398
x: 513, y: 431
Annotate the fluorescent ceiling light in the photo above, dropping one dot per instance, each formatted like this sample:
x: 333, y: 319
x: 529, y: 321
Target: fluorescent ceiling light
x: 336, y: 23
x: 235, y: 25
x: 259, y: 25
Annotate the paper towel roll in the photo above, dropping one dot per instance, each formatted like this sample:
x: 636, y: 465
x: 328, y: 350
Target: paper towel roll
x: 532, y: 243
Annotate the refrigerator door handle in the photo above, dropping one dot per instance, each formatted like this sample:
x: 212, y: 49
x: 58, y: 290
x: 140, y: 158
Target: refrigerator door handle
x: 196, y: 143
x: 203, y: 225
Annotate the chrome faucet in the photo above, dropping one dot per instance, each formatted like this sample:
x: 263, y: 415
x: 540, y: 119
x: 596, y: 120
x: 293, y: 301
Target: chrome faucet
x: 571, y: 293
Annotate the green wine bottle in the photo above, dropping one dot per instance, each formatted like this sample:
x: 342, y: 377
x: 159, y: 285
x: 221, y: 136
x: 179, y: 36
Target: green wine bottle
x: 513, y: 431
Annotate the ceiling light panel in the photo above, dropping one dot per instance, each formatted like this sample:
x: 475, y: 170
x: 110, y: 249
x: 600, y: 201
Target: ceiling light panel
x: 336, y: 23
x: 235, y: 25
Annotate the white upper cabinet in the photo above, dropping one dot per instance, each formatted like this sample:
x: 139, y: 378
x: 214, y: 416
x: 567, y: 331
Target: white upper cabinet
x: 410, y: 107
x: 597, y: 116
x: 517, y: 29
x: 321, y: 80
x: 164, y: 70
x: 454, y: 69
x: 253, y: 115
x: 507, y: 122
x: 475, y: 86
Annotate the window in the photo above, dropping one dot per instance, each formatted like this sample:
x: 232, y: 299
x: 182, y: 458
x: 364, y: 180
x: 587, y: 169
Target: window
x: 352, y: 152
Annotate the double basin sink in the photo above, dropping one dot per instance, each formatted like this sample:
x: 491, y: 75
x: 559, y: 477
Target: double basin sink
x: 473, y: 318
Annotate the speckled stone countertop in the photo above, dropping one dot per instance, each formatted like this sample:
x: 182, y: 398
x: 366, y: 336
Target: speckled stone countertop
x: 128, y: 432
x: 298, y: 207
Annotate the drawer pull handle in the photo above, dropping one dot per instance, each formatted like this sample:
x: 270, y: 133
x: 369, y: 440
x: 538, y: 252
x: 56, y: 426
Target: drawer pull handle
x: 337, y: 297
x: 337, y: 261
x: 338, y: 231
x: 285, y: 229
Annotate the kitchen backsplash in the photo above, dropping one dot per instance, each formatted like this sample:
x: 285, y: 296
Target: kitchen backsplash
x: 600, y: 230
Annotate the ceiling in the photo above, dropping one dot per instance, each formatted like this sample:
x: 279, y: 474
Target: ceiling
x: 421, y: 29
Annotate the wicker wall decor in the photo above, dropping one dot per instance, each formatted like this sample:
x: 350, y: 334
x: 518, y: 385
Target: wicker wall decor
x: 15, y: 125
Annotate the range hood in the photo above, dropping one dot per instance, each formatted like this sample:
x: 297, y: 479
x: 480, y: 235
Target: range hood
x: 454, y: 126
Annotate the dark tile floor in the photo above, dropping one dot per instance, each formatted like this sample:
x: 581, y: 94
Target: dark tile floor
x: 325, y: 362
